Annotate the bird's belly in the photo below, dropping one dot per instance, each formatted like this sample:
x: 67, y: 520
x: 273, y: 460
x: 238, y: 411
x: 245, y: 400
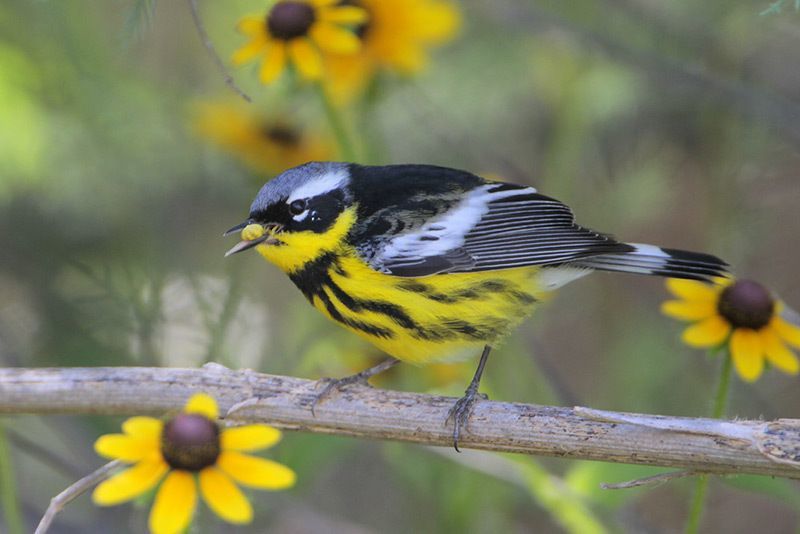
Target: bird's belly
x: 429, y: 319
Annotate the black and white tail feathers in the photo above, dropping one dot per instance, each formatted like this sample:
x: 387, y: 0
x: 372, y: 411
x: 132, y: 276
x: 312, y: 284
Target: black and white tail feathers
x: 653, y: 260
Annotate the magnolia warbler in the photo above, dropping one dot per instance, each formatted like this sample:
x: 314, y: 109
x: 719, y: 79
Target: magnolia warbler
x: 433, y: 264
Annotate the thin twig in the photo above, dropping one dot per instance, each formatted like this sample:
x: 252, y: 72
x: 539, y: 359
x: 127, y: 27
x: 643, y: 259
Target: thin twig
x: 695, y: 444
x: 653, y: 480
x: 60, y: 501
x: 212, y: 51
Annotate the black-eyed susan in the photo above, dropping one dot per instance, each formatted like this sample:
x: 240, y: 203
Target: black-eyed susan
x: 184, y: 452
x: 396, y: 36
x: 740, y: 313
x: 266, y: 143
x: 297, y: 31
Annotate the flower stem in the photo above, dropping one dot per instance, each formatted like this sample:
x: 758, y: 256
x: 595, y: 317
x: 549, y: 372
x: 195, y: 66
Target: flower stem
x: 721, y: 398
x: 346, y: 150
x: 374, y: 149
x: 8, y: 487
x: 720, y: 404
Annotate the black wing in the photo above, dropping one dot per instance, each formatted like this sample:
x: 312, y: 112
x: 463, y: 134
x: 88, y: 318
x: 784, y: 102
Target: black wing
x: 494, y: 226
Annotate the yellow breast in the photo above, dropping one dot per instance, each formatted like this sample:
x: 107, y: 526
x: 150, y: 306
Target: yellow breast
x: 434, y: 318
x: 418, y: 320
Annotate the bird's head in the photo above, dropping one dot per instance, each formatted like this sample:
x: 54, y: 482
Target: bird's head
x: 298, y: 216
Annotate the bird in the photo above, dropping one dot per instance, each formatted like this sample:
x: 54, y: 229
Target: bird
x: 433, y: 264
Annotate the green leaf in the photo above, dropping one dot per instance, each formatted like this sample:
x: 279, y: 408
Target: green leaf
x: 563, y: 504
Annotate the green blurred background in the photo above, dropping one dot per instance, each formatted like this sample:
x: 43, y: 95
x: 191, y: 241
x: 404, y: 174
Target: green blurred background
x: 674, y: 123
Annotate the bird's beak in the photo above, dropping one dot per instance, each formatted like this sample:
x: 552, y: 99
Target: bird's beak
x: 238, y: 228
x: 259, y: 234
x: 244, y: 245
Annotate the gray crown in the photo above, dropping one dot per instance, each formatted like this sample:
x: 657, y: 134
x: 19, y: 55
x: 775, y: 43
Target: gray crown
x: 279, y: 188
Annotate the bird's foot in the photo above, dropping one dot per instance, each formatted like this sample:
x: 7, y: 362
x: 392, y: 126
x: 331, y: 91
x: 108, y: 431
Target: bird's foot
x: 461, y: 411
x: 338, y: 384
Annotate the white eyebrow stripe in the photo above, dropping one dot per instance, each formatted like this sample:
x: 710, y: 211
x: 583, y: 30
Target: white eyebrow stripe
x: 319, y: 185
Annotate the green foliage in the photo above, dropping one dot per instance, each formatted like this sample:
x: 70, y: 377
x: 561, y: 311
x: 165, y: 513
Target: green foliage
x: 775, y: 8
x: 140, y: 18
x: 10, y: 503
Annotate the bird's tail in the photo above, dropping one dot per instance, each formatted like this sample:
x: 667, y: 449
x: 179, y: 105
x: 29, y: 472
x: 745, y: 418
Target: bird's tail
x: 653, y: 260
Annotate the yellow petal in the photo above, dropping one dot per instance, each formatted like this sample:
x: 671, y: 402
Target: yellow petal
x: 345, y: 15
x: 306, y: 59
x: 777, y: 353
x: 274, y: 62
x: 322, y: 3
x: 409, y: 58
x: 249, y: 438
x: 686, y: 310
x: 202, y: 404
x: 252, y: 25
x: 691, y: 289
x: 130, y: 483
x: 440, y: 23
x: 249, y: 51
x: 223, y: 497
x: 256, y: 472
x: 143, y: 427
x: 707, y: 333
x: 174, y: 504
x: 787, y: 331
x: 334, y: 39
x: 747, y: 353
x: 126, y: 448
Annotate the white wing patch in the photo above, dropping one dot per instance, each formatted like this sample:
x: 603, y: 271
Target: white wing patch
x: 319, y: 185
x: 445, y: 233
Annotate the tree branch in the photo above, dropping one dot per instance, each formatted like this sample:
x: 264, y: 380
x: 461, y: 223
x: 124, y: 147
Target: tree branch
x: 694, y: 444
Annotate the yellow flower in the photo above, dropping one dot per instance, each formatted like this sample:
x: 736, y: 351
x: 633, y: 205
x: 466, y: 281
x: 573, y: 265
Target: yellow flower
x: 187, y: 450
x: 741, y: 313
x: 296, y: 31
x: 266, y: 144
x: 396, y: 37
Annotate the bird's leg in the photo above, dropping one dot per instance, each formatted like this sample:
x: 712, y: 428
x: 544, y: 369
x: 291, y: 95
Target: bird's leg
x: 462, y: 409
x: 358, y: 378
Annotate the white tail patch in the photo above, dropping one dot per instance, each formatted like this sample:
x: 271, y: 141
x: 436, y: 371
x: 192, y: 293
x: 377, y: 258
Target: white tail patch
x: 648, y: 250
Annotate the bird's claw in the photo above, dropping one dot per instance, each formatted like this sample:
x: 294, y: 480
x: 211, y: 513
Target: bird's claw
x: 338, y: 384
x: 361, y: 378
x: 461, y: 411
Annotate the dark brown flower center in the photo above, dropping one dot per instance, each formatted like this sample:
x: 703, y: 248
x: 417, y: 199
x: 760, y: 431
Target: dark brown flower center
x: 282, y: 135
x: 190, y: 442
x: 289, y: 20
x: 746, y: 304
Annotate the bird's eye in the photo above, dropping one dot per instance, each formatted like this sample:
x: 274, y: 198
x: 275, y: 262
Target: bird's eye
x: 297, y: 207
